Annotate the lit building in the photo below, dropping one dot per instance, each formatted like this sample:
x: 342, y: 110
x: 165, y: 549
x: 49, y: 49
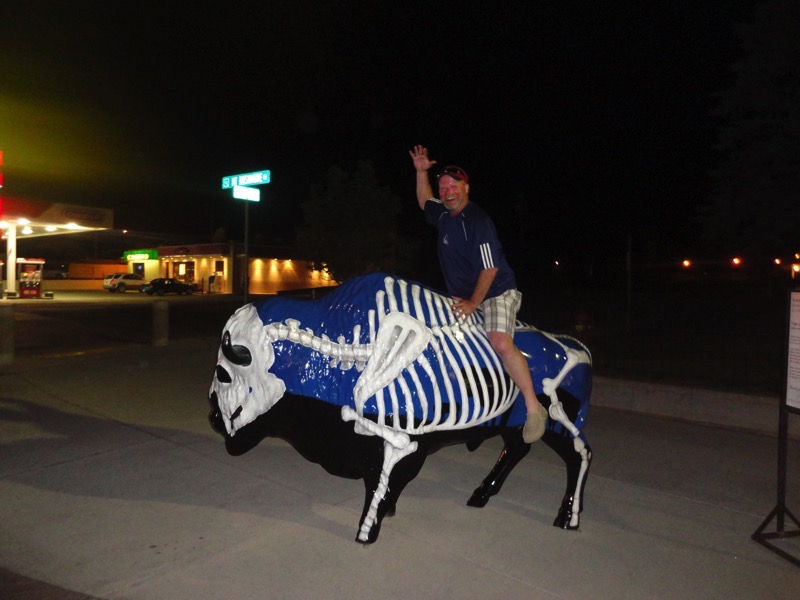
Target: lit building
x: 219, y: 268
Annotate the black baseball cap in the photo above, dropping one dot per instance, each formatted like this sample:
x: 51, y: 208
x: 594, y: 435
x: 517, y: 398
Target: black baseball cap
x: 455, y: 172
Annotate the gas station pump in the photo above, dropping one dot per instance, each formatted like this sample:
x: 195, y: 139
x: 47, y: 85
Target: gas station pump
x: 28, y: 278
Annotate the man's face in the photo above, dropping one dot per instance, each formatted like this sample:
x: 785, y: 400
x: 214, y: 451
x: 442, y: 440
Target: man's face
x: 453, y: 193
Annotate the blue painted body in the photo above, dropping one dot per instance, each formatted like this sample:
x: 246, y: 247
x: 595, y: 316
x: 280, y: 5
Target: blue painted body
x: 309, y: 373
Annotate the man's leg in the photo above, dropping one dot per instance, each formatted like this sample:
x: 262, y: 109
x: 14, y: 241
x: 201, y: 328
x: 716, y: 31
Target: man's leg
x: 517, y: 368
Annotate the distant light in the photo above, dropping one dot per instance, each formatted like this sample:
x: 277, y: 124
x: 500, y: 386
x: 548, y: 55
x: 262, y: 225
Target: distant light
x: 736, y: 261
x: 124, y: 231
x: 778, y: 261
x: 51, y: 228
x: 23, y: 222
x: 72, y: 226
x: 686, y: 263
x: 3, y: 225
x: 27, y: 230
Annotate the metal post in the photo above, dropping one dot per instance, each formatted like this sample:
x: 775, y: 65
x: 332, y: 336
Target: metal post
x: 246, y: 250
x: 6, y: 335
x: 160, y: 323
x: 628, y: 281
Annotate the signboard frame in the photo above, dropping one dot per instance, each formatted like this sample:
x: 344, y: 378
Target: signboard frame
x: 790, y: 403
x: 792, y: 381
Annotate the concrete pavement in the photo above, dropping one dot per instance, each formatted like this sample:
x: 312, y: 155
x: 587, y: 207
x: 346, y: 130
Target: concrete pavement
x: 112, y: 485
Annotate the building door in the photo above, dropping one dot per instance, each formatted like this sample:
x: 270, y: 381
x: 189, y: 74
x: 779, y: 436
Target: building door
x: 184, y: 271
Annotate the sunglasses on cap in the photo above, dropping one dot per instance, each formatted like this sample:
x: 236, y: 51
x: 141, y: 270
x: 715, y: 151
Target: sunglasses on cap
x: 455, y: 172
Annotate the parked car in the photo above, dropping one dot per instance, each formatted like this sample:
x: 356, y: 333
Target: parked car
x: 122, y: 282
x: 168, y: 285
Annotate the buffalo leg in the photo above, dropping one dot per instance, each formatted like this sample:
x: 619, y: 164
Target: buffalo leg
x: 401, y: 474
x: 514, y: 451
x: 577, y: 463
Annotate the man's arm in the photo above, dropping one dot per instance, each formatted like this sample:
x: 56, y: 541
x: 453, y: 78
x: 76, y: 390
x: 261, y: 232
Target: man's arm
x: 419, y: 154
x: 485, y: 279
x: 424, y: 192
x: 464, y: 307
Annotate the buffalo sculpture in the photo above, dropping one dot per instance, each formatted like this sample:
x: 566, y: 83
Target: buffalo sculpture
x: 371, y: 378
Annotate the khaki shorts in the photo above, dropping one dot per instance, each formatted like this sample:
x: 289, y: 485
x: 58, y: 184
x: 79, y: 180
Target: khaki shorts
x: 500, y: 312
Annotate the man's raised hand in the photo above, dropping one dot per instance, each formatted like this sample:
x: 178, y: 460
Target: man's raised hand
x: 419, y: 154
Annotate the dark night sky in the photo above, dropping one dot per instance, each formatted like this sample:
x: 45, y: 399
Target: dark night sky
x: 595, y: 116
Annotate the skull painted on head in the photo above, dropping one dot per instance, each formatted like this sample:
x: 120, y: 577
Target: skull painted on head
x: 243, y: 386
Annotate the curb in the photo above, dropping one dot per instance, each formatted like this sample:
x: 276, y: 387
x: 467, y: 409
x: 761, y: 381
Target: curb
x: 746, y: 412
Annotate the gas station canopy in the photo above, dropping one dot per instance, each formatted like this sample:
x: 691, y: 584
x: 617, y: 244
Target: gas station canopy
x: 33, y: 218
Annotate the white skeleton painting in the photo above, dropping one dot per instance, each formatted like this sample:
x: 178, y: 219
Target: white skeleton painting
x: 394, y: 359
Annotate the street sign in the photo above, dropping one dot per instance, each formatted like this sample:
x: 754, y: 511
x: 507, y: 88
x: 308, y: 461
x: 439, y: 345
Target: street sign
x: 241, y: 191
x: 257, y: 178
x: 246, y: 193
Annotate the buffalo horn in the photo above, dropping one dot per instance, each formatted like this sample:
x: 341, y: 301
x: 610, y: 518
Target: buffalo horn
x: 238, y: 355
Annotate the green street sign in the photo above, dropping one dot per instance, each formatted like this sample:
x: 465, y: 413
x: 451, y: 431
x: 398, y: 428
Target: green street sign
x: 242, y: 192
x: 257, y: 178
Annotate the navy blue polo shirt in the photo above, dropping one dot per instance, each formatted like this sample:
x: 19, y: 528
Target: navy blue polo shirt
x: 467, y: 245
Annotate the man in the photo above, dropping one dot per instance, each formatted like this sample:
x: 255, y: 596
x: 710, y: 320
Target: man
x: 476, y: 273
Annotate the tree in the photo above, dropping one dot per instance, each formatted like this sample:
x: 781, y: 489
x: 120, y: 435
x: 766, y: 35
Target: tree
x: 351, y: 225
x: 756, y: 197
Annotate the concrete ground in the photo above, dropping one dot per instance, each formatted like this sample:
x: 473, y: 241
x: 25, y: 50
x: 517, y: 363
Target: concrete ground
x: 112, y: 485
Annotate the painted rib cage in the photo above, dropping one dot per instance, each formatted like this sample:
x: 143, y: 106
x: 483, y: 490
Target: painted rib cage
x: 429, y: 371
x: 393, y: 353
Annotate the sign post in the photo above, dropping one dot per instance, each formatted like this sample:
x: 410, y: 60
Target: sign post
x: 242, y: 190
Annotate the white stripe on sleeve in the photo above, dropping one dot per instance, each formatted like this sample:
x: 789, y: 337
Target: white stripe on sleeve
x: 486, y: 256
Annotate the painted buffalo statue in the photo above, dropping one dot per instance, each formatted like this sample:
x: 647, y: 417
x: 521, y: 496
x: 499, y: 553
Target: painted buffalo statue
x: 372, y: 377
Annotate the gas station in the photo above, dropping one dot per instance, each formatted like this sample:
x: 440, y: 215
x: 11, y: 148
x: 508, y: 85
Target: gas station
x: 214, y: 268
x: 33, y: 218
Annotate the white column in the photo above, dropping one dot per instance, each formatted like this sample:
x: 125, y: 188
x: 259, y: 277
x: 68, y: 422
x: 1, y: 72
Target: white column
x: 11, y: 258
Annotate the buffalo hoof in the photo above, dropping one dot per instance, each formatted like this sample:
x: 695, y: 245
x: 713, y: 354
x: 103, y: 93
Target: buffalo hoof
x: 480, y: 497
x: 372, y: 537
x: 564, y: 518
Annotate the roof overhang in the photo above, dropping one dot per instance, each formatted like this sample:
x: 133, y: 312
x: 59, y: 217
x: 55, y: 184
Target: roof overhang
x: 33, y: 218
